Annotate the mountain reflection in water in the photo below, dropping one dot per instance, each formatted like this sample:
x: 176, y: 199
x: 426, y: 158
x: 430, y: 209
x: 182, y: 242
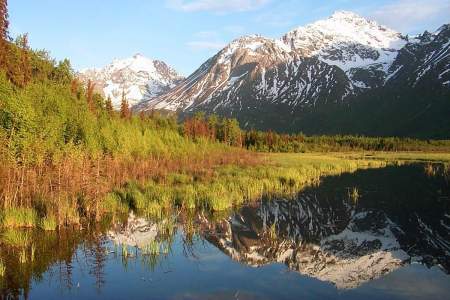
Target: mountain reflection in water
x: 327, y: 235
x: 400, y: 216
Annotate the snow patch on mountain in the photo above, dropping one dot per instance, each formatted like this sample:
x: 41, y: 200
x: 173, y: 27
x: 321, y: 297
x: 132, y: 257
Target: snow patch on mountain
x: 139, y: 77
x: 347, y: 41
x: 329, y: 61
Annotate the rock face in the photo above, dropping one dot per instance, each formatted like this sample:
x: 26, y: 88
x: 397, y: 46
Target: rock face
x: 139, y: 77
x: 287, y: 84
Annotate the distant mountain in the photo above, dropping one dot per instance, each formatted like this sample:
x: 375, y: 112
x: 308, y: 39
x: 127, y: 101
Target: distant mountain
x: 141, y: 78
x: 326, y: 77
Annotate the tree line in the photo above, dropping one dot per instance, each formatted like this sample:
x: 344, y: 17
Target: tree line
x: 228, y: 131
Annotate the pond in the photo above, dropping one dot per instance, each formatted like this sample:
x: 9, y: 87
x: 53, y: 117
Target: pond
x: 373, y: 234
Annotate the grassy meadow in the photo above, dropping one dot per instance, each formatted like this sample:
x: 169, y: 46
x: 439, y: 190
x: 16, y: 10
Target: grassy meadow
x: 278, y: 174
x: 227, y: 186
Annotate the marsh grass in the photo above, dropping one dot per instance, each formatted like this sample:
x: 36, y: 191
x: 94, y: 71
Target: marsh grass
x: 229, y: 186
x: 48, y: 223
x: 19, y: 217
x: 213, y: 185
x: 353, y: 194
x: 23, y: 256
x: 2, y: 268
x: 400, y: 157
x: 152, y: 248
x: 33, y: 253
x: 16, y: 238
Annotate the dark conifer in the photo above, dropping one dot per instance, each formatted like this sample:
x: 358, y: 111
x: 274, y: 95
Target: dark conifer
x: 124, y: 107
x: 90, y: 95
x: 25, y: 64
x: 109, y: 106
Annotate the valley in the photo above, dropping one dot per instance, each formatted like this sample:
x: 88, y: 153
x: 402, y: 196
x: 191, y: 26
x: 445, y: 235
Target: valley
x: 314, y: 163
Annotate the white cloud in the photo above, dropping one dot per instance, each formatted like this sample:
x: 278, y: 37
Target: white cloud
x: 205, y: 45
x: 413, y: 15
x: 219, y: 6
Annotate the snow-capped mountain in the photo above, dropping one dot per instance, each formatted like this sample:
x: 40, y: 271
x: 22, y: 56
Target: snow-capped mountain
x: 425, y: 59
x: 318, y: 61
x: 139, y: 77
x: 348, y: 41
x: 279, y: 83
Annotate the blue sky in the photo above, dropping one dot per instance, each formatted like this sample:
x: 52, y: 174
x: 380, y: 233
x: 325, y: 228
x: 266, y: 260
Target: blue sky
x: 184, y: 33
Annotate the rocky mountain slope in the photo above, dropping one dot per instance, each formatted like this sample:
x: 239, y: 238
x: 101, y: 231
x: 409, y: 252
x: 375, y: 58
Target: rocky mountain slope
x: 311, y: 78
x: 139, y: 77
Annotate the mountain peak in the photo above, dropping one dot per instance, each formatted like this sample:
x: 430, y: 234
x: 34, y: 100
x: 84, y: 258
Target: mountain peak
x: 347, y: 40
x: 138, y: 55
x: 141, y: 77
x: 345, y: 15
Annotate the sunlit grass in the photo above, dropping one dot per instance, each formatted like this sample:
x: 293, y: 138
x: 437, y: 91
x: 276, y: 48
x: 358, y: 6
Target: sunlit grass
x: 48, y: 223
x: 19, y: 217
x: 33, y: 253
x: 23, y: 256
x: 440, y: 157
x: 2, y: 268
x: 224, y: 187
x: 228, y: 186
x: 353, y: 194
x: 16, y: 238
x: 152, y: 248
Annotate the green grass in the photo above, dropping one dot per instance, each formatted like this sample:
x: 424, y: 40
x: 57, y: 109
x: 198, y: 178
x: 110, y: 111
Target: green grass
x: 442, y: 157
x: 19, y: 217
x: 26, y: 218
x: 48, y: 223
x: 280, y: 175
x: 224, y: 187
x: 16, y: 238
x: 152, y: 248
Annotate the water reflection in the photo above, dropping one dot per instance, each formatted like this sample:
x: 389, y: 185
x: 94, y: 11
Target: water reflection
x: 352, y: 229
x: 400, y: 217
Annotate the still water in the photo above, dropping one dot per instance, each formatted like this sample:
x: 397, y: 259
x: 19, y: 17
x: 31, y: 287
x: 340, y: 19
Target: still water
x: 373, y: 234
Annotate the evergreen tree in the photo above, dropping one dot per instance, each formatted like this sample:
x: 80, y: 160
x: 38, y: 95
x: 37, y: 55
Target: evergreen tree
x: 63, y: 72
x: 90, y: 95
x: 213, y: 123
x: 125, y: 112
x: 75, y: 87
x: 25, y: 65
x: 109, y: 106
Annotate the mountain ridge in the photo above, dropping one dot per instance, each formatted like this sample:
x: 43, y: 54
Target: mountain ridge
x: 316, y: 76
